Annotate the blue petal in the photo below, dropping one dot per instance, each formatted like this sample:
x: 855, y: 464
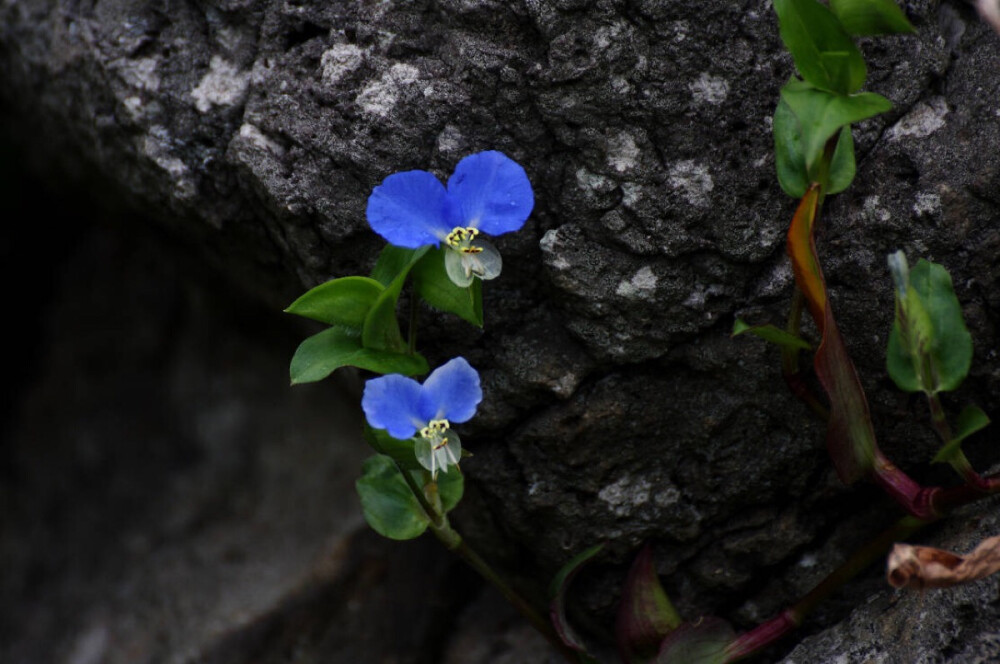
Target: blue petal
x: 393, y: 403
x: 410, y: 210
x: 451, y: 392
x: 491, y: 192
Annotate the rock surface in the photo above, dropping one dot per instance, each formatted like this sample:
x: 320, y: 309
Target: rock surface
x: 617, y: 408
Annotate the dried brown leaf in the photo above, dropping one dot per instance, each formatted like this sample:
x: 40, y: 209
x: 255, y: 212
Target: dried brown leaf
x: 926, y: 567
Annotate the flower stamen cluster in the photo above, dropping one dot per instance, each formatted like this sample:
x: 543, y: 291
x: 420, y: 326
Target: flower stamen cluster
x: 460, y: 239
x: 436, y: 433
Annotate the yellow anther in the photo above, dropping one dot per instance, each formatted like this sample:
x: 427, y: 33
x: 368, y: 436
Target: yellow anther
x: 461, y: 239
x: 435, y: 430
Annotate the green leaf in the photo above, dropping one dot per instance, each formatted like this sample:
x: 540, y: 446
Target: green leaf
x: 789, y: 161
x: 433, y: 284
x: 387, y: 502
x: 771, y: 333
x: 842, y: 166
x: 391, y: 262
x: 343, y: 301
x: 401, y: 451
x: 645, y: 614
x: 381, y: 329
x: 824, y: 53
x: 451, y: 488
x: 319, y: 355
x: 970, y: 420
x: 821, y: 114
x: 930, y: 349
x: 557, y: 595
x: 863, y: 18
x: 704, y: 642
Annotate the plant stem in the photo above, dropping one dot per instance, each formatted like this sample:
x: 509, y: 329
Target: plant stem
x: 957, y: 458
x: 453, y: 541
x: 772, y: 630
x: 790, y: 369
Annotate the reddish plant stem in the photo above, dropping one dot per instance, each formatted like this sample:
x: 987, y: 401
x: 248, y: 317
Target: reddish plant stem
x: 772, y: 630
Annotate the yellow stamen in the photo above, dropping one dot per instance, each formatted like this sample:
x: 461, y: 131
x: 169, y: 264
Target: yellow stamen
x: 460, y: 239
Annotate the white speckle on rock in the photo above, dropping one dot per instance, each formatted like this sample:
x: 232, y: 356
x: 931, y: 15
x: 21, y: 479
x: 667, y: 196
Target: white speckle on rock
x: 133, y: 105
x: 593, y: 181
x: 340, y: 60
x: 626, y: 494
x: 139, y: 73
x: 709, y: 89
x: 666, y: 497
x: 808, y: 561
x: 257, y: 137
x: 693, y: 180
x: 222, y: 85
x: 873, y: 210
x: 623, y: 154
x: 927, y: 204
x: 925, y: 119
x: 641, y: 285
x: 449, y: 140
x: 156, y: 146
x: 566, y: 385
x: 379, y: 97
x: 548, y: 245
x: 631, y: 193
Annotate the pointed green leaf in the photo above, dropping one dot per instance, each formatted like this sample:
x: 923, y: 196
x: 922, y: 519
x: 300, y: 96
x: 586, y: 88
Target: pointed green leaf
x: 319, y: 355
x: 381, y: 329
x: 821, y: 114
x: 430, y: 277
x: 930, y: 348
x: 703, y: 642
x: 971, y: 420
x: 863, y: 18
x: 842, y: 166
x: 771, y: 333
x: 790, y: 162
x: 557, y: 595
x: 389, y: 506
x: 344, y: 301
x: 645, y: 614
x: 824, y: 53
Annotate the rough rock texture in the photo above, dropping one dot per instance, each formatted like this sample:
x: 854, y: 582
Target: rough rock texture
x: 956, y: 625
x: 617, y: 408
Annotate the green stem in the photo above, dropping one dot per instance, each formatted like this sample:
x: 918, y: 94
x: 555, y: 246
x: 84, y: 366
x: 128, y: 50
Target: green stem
x: 957, y: 458
x: 453, y: 541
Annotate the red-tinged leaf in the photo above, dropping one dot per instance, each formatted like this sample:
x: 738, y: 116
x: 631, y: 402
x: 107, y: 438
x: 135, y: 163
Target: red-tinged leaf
x: 703, y: 642
x: 850, y: 438
x: 557, y: 593
x: 802, y: 250
x: 645, y: 614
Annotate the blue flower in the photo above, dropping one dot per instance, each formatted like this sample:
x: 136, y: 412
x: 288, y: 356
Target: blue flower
x: 488, y: 193
x: 404, y: 408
